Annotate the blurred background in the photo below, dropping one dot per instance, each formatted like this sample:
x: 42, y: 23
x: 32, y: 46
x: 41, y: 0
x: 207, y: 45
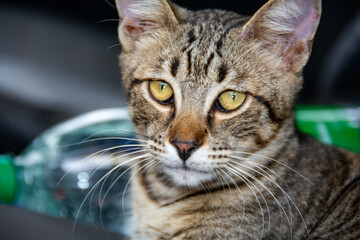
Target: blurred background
x: 60, y: 58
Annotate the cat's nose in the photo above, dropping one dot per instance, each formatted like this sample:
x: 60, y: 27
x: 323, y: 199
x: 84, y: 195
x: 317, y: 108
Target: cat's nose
x: 184, y: 149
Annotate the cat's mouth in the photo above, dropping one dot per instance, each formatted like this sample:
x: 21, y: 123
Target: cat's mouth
x: 188, y: 176
x: 187, y: 169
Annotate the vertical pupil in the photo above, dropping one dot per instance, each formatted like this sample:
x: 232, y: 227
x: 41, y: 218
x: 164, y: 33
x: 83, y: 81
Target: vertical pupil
x: 233, y: 96
x: 162, y: 86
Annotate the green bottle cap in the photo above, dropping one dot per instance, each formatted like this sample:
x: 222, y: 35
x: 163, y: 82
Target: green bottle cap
x: 7, y: 179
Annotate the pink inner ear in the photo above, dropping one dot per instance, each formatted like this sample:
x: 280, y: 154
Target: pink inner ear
x: 124, y: 9
x: 305, y: 28
x: 133, y: 25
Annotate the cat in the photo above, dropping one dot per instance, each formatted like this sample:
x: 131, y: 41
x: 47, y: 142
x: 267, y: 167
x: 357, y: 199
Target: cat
x: 212, y: 94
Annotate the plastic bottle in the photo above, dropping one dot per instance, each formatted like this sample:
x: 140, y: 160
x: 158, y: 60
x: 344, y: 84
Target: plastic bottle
x: 57, y: 173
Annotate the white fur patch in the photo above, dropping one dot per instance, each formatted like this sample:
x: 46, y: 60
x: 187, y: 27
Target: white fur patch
x: 195, y: 171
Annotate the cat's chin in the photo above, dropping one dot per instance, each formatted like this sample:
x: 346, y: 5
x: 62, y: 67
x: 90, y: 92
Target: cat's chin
x: 188, y: 177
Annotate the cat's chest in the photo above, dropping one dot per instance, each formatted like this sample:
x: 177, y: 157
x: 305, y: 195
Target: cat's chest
x: 177, y: 220
x: 226, y: 214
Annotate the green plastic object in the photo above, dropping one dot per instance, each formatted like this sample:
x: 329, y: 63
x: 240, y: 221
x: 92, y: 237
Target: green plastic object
x: 335, y: 125
x: 7, y: 179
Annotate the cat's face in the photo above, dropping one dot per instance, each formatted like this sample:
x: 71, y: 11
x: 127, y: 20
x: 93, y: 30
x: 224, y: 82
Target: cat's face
x: 212, y: 90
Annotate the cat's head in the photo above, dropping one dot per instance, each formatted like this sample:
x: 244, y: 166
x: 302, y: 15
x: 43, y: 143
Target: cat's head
x: 205, y: 87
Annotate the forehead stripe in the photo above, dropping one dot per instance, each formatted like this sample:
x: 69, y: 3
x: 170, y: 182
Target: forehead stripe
x: 223, y: 71
x: 189, y: 63
x: 174, y: 66
x: 206, y: 67
x: 192, y: 38
x: 220, y: 42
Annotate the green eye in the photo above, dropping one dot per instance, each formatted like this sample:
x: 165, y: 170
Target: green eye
x: 230, y: 100
x: 161, y: 91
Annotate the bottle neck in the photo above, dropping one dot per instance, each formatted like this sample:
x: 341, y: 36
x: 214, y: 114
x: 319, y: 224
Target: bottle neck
x: 7, y: 179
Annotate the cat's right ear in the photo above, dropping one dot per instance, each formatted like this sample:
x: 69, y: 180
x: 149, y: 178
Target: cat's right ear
x: 141, y: 18
x: 286, y: 28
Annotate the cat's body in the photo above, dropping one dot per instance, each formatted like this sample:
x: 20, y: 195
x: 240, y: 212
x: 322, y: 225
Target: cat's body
x: 219, y: 214
x: 220, y: 167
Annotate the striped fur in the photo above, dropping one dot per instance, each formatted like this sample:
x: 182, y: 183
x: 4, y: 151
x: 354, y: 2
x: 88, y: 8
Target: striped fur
x: 252, y: 175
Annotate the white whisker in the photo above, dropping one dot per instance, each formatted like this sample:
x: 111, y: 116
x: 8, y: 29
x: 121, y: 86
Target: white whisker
x: 127, y: 184
x: 287, y: 196
x: 114, y: 45
x: 267, y: 189
x: 88, y: 140
x: 281, y: 163
x: 108, y: 20
x: 98, y: 182
x: 238, y: 189
x: 79, y: 163
x: 251, y: 185
x: 101, y: 202
x: 109, y: 3
x: 118, y: 157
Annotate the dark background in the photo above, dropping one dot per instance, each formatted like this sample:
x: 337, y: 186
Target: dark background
x: 57, y: 60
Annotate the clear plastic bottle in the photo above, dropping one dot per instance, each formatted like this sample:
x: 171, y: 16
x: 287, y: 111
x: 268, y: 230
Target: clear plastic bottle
x: 62, y: 172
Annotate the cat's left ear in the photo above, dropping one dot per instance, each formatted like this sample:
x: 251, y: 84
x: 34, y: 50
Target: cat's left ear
x: 287, y: 28
x: 140, y: 18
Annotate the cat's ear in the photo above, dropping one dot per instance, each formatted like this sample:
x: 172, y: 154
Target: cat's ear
x: 139, y: 18
x: 287, y: 28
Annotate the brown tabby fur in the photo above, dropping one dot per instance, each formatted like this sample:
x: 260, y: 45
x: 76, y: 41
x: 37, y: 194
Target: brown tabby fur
x: 266, y: 179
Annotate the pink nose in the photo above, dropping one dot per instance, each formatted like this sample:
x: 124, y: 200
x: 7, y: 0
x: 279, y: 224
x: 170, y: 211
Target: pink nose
x: 184, y: 149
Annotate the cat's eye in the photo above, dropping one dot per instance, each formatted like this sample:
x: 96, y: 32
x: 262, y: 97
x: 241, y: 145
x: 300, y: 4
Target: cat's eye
x: 161, y: 91
x: 230, y: 100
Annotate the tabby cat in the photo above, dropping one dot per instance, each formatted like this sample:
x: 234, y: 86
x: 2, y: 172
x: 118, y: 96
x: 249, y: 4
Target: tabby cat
x: 212, y: 94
